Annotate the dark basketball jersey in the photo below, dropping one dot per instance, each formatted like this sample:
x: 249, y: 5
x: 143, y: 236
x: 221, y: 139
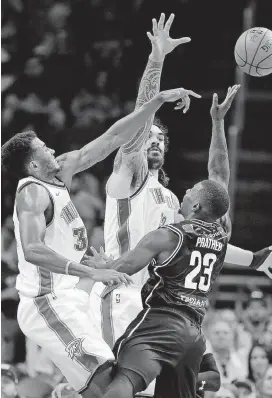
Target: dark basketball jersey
x: 186, y: 276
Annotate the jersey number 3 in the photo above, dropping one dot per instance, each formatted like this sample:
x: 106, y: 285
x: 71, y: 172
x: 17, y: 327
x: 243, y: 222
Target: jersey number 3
x: 81, y: 241
x: 197, y: 261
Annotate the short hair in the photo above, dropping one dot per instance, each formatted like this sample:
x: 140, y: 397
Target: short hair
x: 215, y: 198
x: 16, y: 152
x: 163, y: 177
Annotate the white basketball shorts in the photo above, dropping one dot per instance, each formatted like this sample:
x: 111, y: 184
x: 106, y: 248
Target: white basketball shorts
x: 64, y: 328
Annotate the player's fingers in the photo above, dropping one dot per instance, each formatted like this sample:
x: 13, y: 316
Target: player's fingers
x: 193, y: 94
x: 215, y: 100
x: 169, y: 23
x: 161, y: 21
x: 179, y: 105
x: 154, y: 26
x: 187, y: 103
x: 182, y: 40
x: 151, y: 38
x: 94, y: 251
x: 232, y: 95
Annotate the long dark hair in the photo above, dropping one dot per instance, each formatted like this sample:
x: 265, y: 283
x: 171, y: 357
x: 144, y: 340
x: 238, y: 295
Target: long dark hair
x: 250, y: 371
x: 163, y: 177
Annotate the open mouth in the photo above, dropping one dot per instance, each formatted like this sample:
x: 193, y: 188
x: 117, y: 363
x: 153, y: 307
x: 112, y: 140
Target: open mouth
x: 155, y: 150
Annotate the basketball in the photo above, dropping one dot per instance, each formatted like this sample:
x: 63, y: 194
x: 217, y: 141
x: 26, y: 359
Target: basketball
x: 253, y: 51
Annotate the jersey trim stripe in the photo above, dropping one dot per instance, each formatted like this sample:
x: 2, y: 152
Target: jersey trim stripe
x: 88, y: 361
x: 141, y: 186
x: 175, y: 251
x: 123, y: 213
x: 106, y: 319
x: 45, y: 281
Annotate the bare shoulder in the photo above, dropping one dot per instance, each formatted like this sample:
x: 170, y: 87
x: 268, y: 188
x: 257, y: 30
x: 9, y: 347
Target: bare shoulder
x: 165, y: 238
x: 32, y: 198
x: 129, y: 172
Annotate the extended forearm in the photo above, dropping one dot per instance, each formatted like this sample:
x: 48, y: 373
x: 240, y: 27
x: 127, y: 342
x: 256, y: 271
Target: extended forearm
x: 125, y: 128
x: 149, y: 88
x: 42, y: 256
x: 150, y: 82
x: 260, y: 260
x: 128, y: 264
x: 218, y: 165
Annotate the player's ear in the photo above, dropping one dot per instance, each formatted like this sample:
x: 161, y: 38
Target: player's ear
x: 196, y: 207
x: 32, y: 165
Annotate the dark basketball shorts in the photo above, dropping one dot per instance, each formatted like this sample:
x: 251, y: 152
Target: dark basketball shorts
x: 165, y: 343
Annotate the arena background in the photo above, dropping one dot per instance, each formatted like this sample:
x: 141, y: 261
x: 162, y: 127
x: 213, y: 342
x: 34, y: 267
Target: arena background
x: 70, y: 69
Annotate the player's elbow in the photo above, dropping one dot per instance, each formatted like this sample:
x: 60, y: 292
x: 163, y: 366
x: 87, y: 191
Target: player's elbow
x: 215, y: 381
x: 31, y: 251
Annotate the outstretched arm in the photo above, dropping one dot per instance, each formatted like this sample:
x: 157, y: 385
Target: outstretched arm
x: 76, y: 161
x: 130, y: 162
x: 156, y: 243
x: 218, y: 164
x: 260, y: 260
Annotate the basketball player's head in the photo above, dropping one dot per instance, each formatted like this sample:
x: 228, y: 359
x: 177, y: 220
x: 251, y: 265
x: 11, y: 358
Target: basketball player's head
x: 156, y: 147
x: 26, y: 155
x: 207, y: 200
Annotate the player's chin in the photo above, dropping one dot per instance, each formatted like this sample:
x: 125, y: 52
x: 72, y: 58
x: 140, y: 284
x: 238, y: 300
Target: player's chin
x: 155, y: 157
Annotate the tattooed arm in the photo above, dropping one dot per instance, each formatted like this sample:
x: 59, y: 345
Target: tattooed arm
x: 130, y: 165
x: 218, y: 164
x: 76, y: 161
x: 98, y: 149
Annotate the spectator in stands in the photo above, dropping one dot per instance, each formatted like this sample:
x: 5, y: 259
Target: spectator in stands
x: 246, y: 388
x: 227, y: 391
x: 228, y: 361
x: 256, y: 315
x: 267, y: 338
x: 242, y: 341
x: 265, y: 386
x: 258, y: 362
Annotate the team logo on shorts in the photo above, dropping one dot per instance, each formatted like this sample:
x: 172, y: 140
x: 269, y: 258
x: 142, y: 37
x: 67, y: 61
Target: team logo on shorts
x: 74, y: 348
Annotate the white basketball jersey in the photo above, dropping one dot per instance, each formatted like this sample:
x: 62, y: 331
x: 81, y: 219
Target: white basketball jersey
x: 66, y: 235
x: 128, y: 220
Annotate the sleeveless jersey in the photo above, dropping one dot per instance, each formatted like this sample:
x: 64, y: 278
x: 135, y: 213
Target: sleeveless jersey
x: 186, y: 276
x: 128, y: 220
x: 65, y: 234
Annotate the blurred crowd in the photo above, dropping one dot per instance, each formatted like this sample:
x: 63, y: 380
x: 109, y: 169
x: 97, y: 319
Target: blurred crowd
x: 61, y: 77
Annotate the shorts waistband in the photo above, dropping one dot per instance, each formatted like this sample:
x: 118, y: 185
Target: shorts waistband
x: 183, y: 310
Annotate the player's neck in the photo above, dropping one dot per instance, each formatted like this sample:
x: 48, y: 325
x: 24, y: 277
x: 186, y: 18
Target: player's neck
x: 193, y: 216
x: 155, y: 173
x: 51, y: 178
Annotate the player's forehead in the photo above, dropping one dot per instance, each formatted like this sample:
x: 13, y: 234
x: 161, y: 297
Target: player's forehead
x: 156, y: 131
x: 37, y: 143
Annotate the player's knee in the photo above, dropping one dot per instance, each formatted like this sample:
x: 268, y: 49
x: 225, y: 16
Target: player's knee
x: 137, y: 382
x: 125, y: 385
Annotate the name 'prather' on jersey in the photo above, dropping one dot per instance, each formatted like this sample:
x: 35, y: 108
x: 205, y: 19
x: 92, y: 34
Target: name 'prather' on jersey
x: 189, y: 272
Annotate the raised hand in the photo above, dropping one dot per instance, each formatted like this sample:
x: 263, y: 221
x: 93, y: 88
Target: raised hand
x: 162, y: 43
x: 177, y: 94
x: 218, y: 112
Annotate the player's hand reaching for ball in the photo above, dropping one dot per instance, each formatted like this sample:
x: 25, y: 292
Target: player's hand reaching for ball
x: 218, y: 112
x: 162, y: 43
x: 178, y: 94
x: 110, y: 277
